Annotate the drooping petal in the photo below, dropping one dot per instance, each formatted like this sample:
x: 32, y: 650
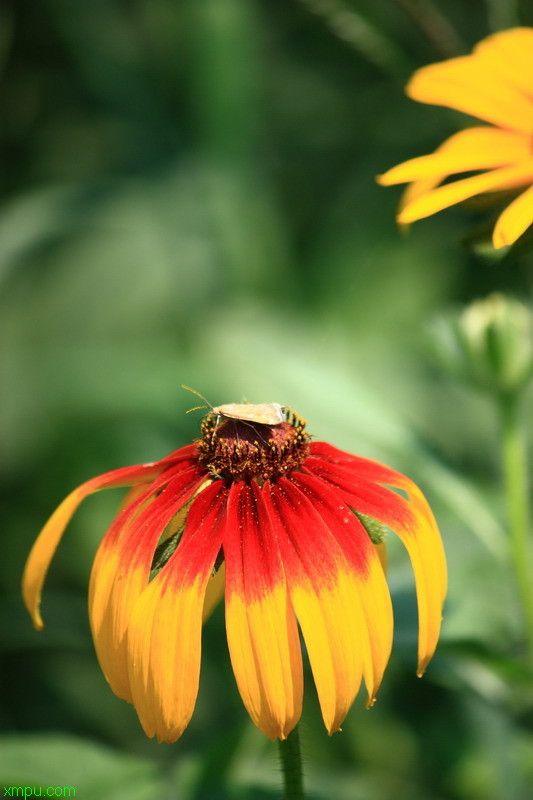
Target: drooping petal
x: 412, y: 520
x: 324, y: 594
x: 46, y: 543
x: 515, y: 220
x: 164, y: 633
x: 122, y: 566
x: 476, y: 87
x: 452, y: 193
x: 261, y: 626
x: 471, y: 149
x: 376, y: 640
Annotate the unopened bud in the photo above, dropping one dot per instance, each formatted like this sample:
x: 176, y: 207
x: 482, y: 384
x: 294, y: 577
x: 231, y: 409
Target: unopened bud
x: 489, y: 344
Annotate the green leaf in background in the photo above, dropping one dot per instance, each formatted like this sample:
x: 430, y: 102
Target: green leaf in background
x: 94, y: 771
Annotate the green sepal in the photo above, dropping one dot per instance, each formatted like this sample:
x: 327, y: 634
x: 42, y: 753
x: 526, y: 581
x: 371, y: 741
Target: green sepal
x: 164, y: 551
x: 376, y: 530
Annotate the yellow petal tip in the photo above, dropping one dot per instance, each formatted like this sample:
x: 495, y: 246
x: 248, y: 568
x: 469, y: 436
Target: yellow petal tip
x: 499, y: 241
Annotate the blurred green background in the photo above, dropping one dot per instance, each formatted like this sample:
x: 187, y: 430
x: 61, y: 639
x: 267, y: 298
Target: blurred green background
x: 188, y: 197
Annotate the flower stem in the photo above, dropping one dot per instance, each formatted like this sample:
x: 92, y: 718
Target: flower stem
x: 291, y: 764
x: 518, y: 507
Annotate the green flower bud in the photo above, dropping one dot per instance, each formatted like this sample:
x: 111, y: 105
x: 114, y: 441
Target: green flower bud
x: 489, y: 344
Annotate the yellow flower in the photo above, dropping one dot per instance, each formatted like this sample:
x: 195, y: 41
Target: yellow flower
x: 495, y: 84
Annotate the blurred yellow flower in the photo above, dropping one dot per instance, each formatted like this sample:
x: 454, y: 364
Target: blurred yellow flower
x: 494, y: 83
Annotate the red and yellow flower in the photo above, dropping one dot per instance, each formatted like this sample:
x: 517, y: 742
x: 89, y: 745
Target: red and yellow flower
x: 495, y: 84
x: 265, y: 515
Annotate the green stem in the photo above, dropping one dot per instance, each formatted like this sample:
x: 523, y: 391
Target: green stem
x: 518, y: 507
x: 291, y: 764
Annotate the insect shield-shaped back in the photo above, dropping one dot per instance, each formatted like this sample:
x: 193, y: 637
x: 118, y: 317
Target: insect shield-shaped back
x: 260, y: 413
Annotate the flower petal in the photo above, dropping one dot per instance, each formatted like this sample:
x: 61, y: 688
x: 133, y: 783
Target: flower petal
x: 122, y: 566
x: 456, y: 192
x: 371, y: 584
x: 46, y: 543
x: 164, y: 634
x: 261, y: 626
x: 471, y: 149
x: 412, y: 520
x: 515, y: 220
x: 324, y: 594
x: 475, y: 86
x: 510, y: 54
x: 365, y: 468
x: 414, y: 190
x: 214, y: 592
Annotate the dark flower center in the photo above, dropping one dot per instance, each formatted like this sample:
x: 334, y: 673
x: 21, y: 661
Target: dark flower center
x: 238, y: 449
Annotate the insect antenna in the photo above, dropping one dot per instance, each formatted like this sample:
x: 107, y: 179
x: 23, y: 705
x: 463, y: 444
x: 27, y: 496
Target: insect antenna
x: 196, y: 408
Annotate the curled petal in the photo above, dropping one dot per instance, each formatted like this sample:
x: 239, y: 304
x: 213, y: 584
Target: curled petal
x: 261, y: 626
x: 164, y: 632
x: 46, y: 543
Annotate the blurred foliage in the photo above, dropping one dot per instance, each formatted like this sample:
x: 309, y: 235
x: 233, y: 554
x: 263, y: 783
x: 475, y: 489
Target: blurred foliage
x: 188, y: 197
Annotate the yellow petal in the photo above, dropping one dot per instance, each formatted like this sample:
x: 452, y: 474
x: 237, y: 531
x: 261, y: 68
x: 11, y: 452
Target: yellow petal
x: 370, y: 583
x: 413, y: 191
x: 452, y: 193
x: 324, y: 592
x: 510, y: 54
x: 164, y: 630
x: 381, y: 550
x: 471, y: 85
x: 421, y: 537
x: 164, y: 641
x: 46, y: 543
x: 515, y: 220
x: 424, y: 545
x: 411, y: 519
x: 471, y: 149
x: 214, y: 592
x: 122, y: 567
x: 261, y: 627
